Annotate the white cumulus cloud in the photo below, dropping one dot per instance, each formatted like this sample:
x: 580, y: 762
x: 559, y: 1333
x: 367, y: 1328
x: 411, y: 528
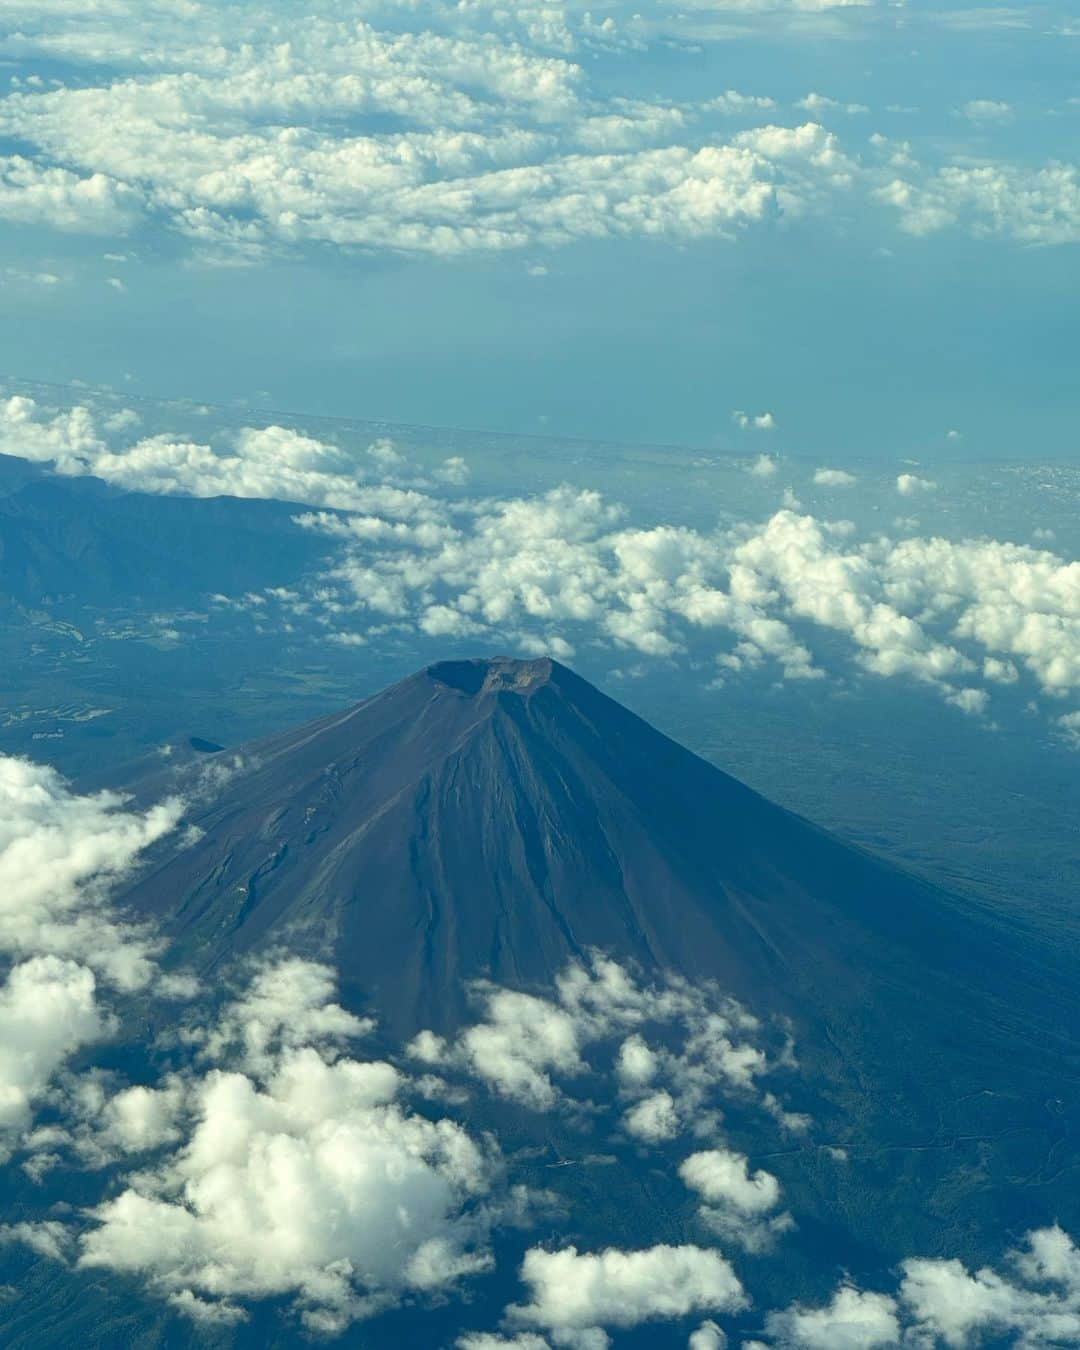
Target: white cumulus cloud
x: 60, y: 941
x: 301, y: 1174
x: 574, y: 1295
x: 833, y: 478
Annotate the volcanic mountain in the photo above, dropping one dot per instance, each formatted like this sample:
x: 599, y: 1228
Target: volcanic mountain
x: 497, y: 819
x: 491, y: 818
x: 494, y: 818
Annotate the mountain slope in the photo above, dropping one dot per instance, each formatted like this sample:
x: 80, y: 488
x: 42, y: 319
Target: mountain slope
x: 492, y: 818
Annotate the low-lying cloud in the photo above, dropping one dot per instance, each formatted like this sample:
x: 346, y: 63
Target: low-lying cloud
x: 941, y: 1302
x: 297, y: 1171
x: 795, y: 595
x: 64, y: 951
x: 272, y: 1160
x: 575, y: 1296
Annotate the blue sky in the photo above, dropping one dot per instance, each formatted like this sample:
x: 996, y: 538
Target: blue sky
x: 620, y: 222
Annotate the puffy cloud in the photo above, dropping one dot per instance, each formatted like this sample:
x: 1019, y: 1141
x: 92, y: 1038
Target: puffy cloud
x: 907, y: 484
x: 561, y: 567
x: 69, y: 437
x: 50, y: 1238
x: 533, y: 1050
x: 732, y: 103
x: 275, y: 1163
x: 576, y: 1294
x: 653, y: 1118
x: 39, y: 194
x: 852, y: 1321
x: 753, y: 421
x: 487, y: 1340
x: 724, y: 1178
x: 302, y: 1175
x: 1011, y: 600
x: 820, y: 104
x: 763, y: 467
x: 974, y: 702
x: 48, y: 1010
x: 138, y: 1119
x: 1070, y: 727
x: 738, y: 1204
x: 942, y: 1302
x: 987, y: 110
x: 637, y: 1064
x: 454, y: 129
x: 251, y: 137
x: 522, y: 1040
x: 767, y: 6
x: 690, y: 1051
x: 840, y: 589
x: 1032, y: 206
x: 949, y: 1301
x: 833, y: 478
x: 59, y: 854
x: 273, y: 462
x: 286, y: 1006
x: 927, y: 609
x: 207, y: 1312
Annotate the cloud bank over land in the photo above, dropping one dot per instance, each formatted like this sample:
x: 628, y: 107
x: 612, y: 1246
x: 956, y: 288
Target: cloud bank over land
x: 267, y: 463
x: 794, y: 596
x: 959, y: 617
x: 271, y: 1162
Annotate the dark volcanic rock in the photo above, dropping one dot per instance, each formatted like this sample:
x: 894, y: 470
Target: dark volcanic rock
x: 493, y: 818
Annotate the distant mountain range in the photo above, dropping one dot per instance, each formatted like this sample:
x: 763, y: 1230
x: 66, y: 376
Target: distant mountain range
x: 74, y: 542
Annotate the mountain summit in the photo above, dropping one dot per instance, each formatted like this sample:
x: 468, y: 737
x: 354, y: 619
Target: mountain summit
x: 497, y: 674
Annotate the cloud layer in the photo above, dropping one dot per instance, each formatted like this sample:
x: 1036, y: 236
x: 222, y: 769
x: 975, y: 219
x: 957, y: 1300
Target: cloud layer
x: 438, y: 129
x: 794, y: 596
x: 270, y: 1161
